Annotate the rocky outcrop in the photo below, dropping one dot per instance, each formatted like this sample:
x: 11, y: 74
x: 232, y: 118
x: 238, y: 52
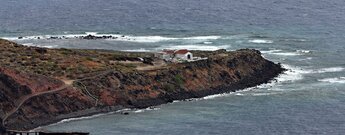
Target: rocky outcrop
x: 2, y: 129
x: 219, y: 74
x: 112, y: 90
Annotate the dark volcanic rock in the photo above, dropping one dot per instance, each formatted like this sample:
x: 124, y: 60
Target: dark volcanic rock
x: 41, y: 50
x: 148, y: 61
x: 89, y: 37
x: 92, y: 37
x: 2, y: 129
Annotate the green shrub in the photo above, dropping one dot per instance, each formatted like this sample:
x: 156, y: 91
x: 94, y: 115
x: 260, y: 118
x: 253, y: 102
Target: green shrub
x: 179, y: 80
x: 88, y: 58
x: 169, y: 87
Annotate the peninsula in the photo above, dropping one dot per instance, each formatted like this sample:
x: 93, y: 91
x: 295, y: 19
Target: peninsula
x: 40, y: 86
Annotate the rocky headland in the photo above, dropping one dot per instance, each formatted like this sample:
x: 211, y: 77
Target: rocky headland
x: 40, y: 86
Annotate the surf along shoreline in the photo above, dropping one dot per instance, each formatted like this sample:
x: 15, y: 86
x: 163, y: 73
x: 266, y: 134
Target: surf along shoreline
x: 114, y: 85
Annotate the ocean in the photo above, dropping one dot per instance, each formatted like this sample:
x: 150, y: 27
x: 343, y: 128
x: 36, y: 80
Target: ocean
x: 306, y: 36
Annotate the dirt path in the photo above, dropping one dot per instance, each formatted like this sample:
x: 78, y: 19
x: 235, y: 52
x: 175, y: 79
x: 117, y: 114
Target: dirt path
x: 68, y: 83
x: 22, y: 100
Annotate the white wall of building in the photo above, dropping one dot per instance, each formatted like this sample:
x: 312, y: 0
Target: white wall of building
x: 184, y: 56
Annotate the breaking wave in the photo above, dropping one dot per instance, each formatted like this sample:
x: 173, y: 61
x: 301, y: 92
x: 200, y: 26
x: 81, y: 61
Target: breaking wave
x: 333, y: 80
x: 303, y: 51
x: 292, y: 74
x: 260, y: 41
x: 99, y: 115
x: 283, y: 53
x: 76, y: 119
x: 30, y: 44
x: 217, y: 95
x: 114, y: 37
x: 264, y: 94
x: 137, y: 50
x: 196, y: 47
x: 207, y: 42
x: 330, y: 70
x: 286, y: 53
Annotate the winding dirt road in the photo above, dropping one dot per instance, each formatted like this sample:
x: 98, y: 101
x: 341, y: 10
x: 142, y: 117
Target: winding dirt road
x: 22, y: 100
x: 68, y: 83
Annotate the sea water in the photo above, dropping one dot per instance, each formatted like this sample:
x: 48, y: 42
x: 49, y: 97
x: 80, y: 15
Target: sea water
x: 306, y: 36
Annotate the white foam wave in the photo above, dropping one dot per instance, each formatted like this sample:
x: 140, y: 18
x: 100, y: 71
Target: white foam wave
x: 333, y: 80
x: 115, y: 37
x: 217, y: 95
x: 49, y: 46
x: 146, y: 109
x: 263, y: 94
x: 239, y: 94
x: 296, y: 40
x: 137, y: 50
x: 260, y: 41
x: 143, y: 39
x: 296, y: 73
x: 176, y: 101
x: 330, y: 70
x: 286, y: 53
x: 83, y: 118
x: 282, y: 53
x: 196, y: 47
x: 10, y: 38
x: 153, y: 39
x: 207, y: 42
x: 292, y: 74
x: 98, y: 115
x: 304, y: 51
x: 29, y: 44
x: 138, y: 111
x: 202, y: 38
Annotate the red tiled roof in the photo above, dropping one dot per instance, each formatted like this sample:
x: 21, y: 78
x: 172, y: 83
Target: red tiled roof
x: 169, y: 51
x: 182, y: 51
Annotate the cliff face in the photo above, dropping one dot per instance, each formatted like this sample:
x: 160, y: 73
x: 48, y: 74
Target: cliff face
x: 15, y: 85
x: 48, y: 108
x: 111, y: 90
x: 219, y: 74
x: 18, y: 88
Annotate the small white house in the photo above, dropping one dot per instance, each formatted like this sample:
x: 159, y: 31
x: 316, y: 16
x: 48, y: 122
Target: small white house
x: 172, y: 55
x: 183, y: 54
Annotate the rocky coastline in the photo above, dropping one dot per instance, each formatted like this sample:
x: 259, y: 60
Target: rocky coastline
x: 74, y: 91
x: 87, y: 36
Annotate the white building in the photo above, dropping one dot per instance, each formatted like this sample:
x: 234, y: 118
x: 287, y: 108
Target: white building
x: 183, y: 54
x: 170, y: 55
